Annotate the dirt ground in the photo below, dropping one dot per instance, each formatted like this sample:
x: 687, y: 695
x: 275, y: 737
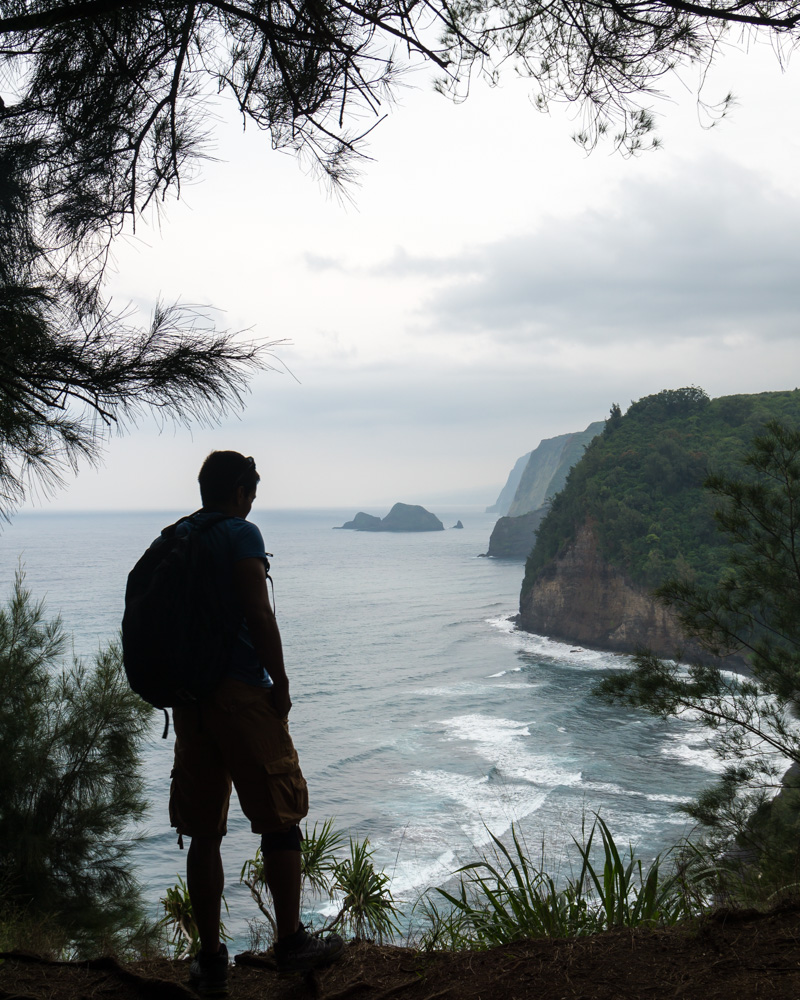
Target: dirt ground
x: 740, y: 955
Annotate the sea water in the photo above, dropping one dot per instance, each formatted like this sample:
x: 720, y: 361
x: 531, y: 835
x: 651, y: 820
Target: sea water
x: 425, y: 721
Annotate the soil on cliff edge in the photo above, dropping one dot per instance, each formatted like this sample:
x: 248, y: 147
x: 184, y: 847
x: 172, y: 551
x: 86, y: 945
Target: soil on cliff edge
x: 735, y: 954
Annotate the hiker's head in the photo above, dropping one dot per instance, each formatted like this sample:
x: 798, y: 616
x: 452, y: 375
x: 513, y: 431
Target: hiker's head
x: 226, y: 477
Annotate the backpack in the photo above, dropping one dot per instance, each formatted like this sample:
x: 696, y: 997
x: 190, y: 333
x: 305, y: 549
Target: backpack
x: 177, y: 637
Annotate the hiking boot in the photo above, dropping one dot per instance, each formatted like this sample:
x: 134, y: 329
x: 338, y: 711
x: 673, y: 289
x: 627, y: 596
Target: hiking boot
x: 301, y: 952
x: 208, y: 974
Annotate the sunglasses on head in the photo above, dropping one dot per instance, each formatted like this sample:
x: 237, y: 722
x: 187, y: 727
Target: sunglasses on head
x: 250, y: 466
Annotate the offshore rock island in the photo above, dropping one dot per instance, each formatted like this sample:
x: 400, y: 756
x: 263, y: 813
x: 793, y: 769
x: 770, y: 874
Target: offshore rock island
x: 402, y: 517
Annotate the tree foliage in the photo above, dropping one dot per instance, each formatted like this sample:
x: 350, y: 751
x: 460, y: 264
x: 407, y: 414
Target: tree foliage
x: 107, y: 101
x: 71, y: 739
x: 107, y: 107
x: 118, y: 88
x: 66, y: 380
x: 70, y: 369
x: 755, y: 610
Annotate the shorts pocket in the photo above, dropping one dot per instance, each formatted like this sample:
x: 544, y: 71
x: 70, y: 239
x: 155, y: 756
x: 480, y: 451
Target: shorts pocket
x: 288, y: 793
x: 282, y: 765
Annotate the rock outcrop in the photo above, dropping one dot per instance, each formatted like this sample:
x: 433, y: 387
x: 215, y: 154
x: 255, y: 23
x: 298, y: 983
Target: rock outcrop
x: 402, y: 517
x: 581, y: 599
x: 410, y: 517
x: 458, y: 524
x: 514, y: 537
x: 362, y: 522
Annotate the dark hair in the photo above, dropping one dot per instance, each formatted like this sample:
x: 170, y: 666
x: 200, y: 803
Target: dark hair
x: 222, y: 473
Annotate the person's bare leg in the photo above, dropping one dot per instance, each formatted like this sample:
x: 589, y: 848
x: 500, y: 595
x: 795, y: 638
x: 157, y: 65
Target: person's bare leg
x: 205, y: 881
x: 282, y: 875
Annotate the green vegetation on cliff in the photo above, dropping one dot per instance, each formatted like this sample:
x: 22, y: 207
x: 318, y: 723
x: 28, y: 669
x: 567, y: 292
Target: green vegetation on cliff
x: 640, y: 484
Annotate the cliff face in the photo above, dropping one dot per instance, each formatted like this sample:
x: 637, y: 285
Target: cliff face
x: 514, y: 537
x: 542, y: 465
x: 580, y: 598
x: 508, y: 492
x: 543, y: 475
x: 634, y: 513
x: 548, y: 467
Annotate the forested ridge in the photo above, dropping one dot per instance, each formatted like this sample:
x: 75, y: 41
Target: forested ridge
x: 640, y: 484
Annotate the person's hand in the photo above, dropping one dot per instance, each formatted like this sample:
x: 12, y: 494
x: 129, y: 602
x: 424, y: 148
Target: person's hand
x: 281, y: 701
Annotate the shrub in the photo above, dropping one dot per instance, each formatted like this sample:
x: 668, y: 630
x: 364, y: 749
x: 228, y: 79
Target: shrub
x: 71, y: 740
x: 367, y: 905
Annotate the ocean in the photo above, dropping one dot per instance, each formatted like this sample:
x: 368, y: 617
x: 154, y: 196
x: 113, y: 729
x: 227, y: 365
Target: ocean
x: 424, y: 719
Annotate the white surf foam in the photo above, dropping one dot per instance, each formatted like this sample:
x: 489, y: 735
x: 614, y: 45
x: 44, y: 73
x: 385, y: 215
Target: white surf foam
x: 669, y: 799
x: 692, y: 751
x: 507, y: 745
x: 503, y: 673
x: 477, y: 807
x: 485, y: 730
x: 409, y: 875
x: 609, y: 787
x: 558, y: 652
x: 455, y: 690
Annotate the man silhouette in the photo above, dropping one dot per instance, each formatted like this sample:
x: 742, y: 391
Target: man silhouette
x: 239, y: 735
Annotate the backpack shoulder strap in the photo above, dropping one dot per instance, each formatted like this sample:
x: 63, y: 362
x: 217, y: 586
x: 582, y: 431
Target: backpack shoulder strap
x: 211, y: 518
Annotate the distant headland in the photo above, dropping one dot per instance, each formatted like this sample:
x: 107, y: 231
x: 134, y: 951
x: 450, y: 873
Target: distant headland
x: 402, y: 517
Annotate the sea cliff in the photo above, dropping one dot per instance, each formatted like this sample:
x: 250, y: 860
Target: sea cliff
x: 547, y: 468
x: 506, y: 497
x: 580, y: 598
x: 514, y: 537
x: 634, y: 513
x: 542, y: 475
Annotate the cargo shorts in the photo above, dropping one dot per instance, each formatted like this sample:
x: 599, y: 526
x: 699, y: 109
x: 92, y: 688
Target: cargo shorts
x: 234, y: 737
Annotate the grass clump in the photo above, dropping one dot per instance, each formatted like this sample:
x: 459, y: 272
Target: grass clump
x: 506, y: 897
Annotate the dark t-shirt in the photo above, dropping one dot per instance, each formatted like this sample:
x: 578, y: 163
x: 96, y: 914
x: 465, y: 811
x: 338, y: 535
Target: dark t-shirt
x: 229, y: 541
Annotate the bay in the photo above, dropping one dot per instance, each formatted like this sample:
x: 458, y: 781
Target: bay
x: 424, y: 720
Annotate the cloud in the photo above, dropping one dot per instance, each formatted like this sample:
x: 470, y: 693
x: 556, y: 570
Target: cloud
x: 318, y: 263
x: 432, y: 405
x: 403, y: 264
x: 711, y: 253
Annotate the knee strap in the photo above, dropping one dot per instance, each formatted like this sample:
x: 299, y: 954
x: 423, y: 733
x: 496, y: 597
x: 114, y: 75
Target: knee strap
x: 283, y: 840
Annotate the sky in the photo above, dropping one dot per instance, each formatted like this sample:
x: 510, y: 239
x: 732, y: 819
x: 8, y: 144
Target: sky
x: 485, y: 285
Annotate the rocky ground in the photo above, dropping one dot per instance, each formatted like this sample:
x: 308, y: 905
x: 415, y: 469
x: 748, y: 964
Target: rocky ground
x: 739, y: 955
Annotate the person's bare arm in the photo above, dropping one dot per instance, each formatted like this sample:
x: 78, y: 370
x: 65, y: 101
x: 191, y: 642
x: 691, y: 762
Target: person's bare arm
x: 251, y: 587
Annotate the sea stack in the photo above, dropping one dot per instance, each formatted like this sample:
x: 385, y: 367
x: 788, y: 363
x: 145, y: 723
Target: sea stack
x: 402, y: 517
